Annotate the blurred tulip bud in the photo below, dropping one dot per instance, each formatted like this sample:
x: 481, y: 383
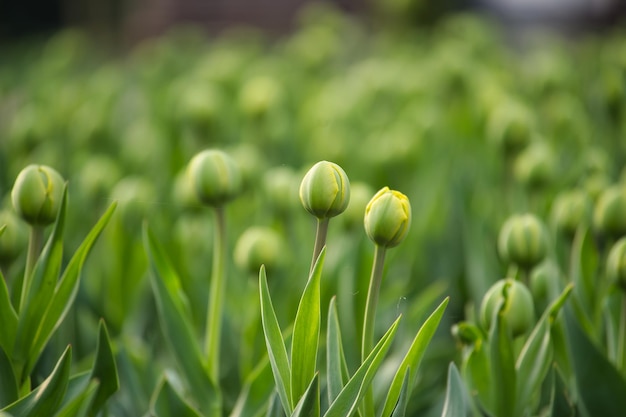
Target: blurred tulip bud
x: 136, y: 197
x: 259, y: 246
x: 259, y: 95
x: 518, y: 308
x: 325, y: 190
x: 37, y: 194
x: 388, y: 217
x: 281, y: 188
x: 570, y: 210
x: 523, y: 241
x: 535, y: 166
x: 510, y: 127
x: 544, y: 281
x: 466, y: 333
x: 609, y: 215
x: 215, y: 177
x: 616, y: 263
x: 14, y: 238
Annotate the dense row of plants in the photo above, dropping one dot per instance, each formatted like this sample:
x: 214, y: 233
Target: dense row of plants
x: 175, y: 242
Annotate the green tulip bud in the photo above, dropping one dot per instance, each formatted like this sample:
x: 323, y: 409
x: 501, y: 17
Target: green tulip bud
x: 616, y: 263
x: 570, y: 210
x: 535, y: 166
x: 259, y: 246
x: 215, y: 177
x: 518, y: 308
x: 14, y: 238
x: 325, y: 190
x: 523, y: 241
x: 37, y: 194
x: 510, y: 127
x: 280, y: 185
x: 388, y: 217
x: 544, y: 281
x: 259, y: 95
x: 609, y: 216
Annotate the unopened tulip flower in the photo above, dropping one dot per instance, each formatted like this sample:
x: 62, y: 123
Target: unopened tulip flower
x: 388, y: 217
x: 616, y: 263
x: 325, y: 190
x: 37, y: 194
x: 518, y: 308
x: 522, y: 241
x: 215, y: 177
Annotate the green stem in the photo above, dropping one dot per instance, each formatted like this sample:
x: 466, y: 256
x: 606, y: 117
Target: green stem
x: 370, y: 317
x: 35, y: 243
x: 320, y: 239
x: 621, y: 338
x: 216, y: 296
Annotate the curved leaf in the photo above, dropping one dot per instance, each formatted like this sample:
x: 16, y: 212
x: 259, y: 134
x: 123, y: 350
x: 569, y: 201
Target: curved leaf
x: 167, y: 402
x: 454, y: 404
x: 309, y: 404
x: 336, y: 368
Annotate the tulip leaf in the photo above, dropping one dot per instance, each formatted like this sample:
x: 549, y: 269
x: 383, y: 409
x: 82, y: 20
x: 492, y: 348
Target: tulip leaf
x: 306, y: 332
x: 275, y: 408
x: 8, y: 382
x: 584, y: 264
x: 413, y: 358
x: 309, y: 404
x: 167, y: 402
x: 8, y: 318
x: 403, y: 400
x: 104, y: 370
x: 275, y: 344
x: 80, y: 404
x: 600, y: 385
x: 477, y: 371
x: 337, y: 369
x: 502, y: 366
x: 176, y: 325
x: 351, y: 395
x: 561, y: 404
x: 65, y: 291
x: 47, y: 397
x: 454, y: 405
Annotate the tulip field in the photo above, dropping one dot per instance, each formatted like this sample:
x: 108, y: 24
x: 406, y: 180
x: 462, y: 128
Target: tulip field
x: 348, y: 220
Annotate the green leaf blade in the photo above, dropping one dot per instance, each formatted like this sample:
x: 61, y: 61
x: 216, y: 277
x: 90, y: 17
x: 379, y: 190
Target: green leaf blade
x: 306, y: 332
x: 167, y: 402
x: 309, y: 404
x: 337, y: 369
x: 454, y: 405
x: 275, y: 344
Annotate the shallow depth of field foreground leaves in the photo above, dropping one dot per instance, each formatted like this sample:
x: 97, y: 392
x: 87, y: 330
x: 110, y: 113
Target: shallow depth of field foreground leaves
x: 349, y: 220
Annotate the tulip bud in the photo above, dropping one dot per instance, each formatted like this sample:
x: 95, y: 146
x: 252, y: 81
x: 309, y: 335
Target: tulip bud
x: 325, y: 190
x: 37, y: 194
x: 616, y: 263
x: 535, y: 166
x: 510, y: 126
x: 609, y: 213
x: 215, y: 177
x: 570, y: 210
x: 518, y: 308
x: 14, y: 238
x: 522, y: 241
x: 388, y: 217
x: 280, y: 185
x: 259, y: 246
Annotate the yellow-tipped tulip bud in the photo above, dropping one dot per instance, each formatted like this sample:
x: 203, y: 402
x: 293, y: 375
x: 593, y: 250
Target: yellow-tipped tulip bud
x: 37, y: 194
x: 616, y: 263
x: 215, y: 177
x: 325, y: 190
x: 518, y: 309
x: 523, y: 241
x: 388, y: 217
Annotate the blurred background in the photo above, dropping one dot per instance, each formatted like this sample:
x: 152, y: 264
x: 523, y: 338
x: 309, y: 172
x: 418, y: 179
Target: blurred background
x: 124, y: 22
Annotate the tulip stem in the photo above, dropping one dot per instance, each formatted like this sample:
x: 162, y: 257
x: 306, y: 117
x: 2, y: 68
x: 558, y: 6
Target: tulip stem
x: 320, y: 239
x: 35, y: 242
x: 216, y: 296
x: 370, y: 317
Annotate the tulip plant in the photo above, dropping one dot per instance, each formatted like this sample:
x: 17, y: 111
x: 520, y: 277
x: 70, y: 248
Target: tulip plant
x: 175, y: 240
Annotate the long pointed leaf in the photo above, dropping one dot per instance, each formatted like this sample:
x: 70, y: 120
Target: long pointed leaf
x: 348, y: 400
x: 167, y: 402
x: 46, y: 398
x: 79, y: 405
x: 306, y: 332
x: 336, y: 368
x: 413, y: 357
x: 502, y: 367
x: 176, y: 324
x: 454, y: 404
x: 66, y: 290
x: 600, y: 385
x: 275, y: 344
x: 8, y: 318
x: 309, y: 404
x: 8, y: 381
x: 104, y: 370
x: 403, y: 400
x: 256, y: 392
